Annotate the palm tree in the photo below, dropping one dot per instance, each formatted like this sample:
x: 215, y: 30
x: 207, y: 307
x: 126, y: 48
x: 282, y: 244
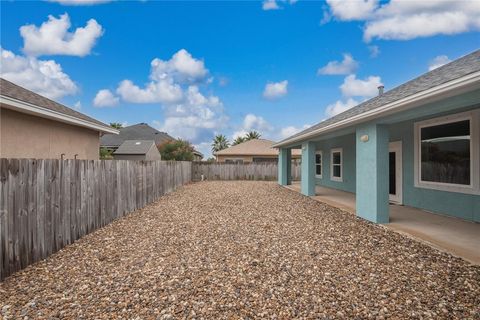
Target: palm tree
x: 252, y: 135
x: 238, y: 140
x: 220, y: 142
x: 116, y: 125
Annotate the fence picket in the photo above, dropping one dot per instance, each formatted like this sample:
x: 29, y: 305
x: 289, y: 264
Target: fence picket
x: 250, y: 171
x: 48, y: 204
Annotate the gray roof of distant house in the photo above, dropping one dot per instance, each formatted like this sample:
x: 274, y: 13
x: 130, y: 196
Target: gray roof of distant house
x: 10, y: 89
x: 135, y: 147
x: 451, y: 71
x: 140, y: 131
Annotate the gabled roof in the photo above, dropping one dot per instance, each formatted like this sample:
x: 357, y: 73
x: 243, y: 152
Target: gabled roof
x: 460, y: 68
x: 254, y: 147
x: 140, y: 131
x: 135, y: 147
x: 26, y: 101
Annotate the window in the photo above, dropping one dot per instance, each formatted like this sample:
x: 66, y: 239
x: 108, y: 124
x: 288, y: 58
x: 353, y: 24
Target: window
x: 234, y: 161
x: 318, y: 164
x: 447, y: 153
x: 336, y: 169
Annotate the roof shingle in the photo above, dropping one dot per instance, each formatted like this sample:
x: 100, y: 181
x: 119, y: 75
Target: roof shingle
x: 135, y: 147
x: 451, y: 71
x: 14, y: 91
x: 140, y: 131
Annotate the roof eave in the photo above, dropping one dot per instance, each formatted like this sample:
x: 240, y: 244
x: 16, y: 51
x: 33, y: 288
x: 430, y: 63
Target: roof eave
x: 29, y: 108
x: 411, y: 101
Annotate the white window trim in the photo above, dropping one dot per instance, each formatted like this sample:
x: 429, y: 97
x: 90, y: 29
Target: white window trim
x: 474, y: 187
x: 332, y: 151
x: 320, y: 176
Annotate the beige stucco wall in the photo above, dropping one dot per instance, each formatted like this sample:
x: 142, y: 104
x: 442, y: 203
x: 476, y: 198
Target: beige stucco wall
x: 28, y: 136
x: 247, y: 159
x: 151, y: 155
x: 137, y: 157
x: 244, y: 158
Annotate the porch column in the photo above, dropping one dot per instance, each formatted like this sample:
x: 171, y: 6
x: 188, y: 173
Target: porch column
x: 285, y: 166
x: 372, y: 173
x: 308, y: 168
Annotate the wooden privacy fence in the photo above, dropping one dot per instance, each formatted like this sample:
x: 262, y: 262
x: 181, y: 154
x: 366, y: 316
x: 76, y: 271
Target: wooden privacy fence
x: 230, y: 171
x: 48, y: 204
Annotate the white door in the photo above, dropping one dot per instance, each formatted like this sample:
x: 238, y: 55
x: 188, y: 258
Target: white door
x: 395, y: 172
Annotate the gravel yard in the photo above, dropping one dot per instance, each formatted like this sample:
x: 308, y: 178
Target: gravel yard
x: 243, y: 250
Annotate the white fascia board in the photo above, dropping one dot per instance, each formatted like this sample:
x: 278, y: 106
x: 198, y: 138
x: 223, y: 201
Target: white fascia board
x: 411, y: 101
x: 29, y: 108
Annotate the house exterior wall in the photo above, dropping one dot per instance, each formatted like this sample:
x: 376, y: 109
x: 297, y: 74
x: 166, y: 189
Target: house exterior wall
x: 28, y: 136
x: 153, y: 154
x: 248, y: 159
x: 347, y: 143
x: 245, y: 159
x: 460, y: 205
x: 136, y: 157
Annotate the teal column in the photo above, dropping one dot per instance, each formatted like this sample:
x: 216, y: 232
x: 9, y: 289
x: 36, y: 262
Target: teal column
x: 308, y: 168
x: 284, y: 166
x: 372, y: 173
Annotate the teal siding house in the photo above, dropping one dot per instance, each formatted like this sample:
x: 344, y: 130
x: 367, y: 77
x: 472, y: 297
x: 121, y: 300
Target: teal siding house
x: 416, y: 145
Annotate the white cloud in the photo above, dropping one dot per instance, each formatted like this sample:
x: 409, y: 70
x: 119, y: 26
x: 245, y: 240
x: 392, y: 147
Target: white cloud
x: 196, y: 118
x: 253, y: 122
x: 44, y: 77
x: 347, y: 66
x: 105, y: 98
x: 53, y: 37
x: 77, y: 106
x: 175, y: 84
x: 166, y: 80
x: 291, y: 130
x: 352, y: 9
x: 404, y: 20
x: 353, y: 87
x: 181, y: 67
x: 80, y: 2
x: 374, y: 51
x: 275, y: 4
x: 270, y: 5
x: 223, y: 81
x: 163, y: 91
x: 339, y: 107
x: 275, y: 90
x: 437, y: 62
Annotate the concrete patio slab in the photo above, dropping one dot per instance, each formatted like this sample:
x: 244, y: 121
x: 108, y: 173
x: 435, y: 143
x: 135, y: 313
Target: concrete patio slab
x: 458, y: 237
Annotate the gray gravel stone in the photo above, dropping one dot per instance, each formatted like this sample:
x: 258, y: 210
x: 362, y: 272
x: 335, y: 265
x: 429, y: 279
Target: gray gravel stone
x: 222, y: 250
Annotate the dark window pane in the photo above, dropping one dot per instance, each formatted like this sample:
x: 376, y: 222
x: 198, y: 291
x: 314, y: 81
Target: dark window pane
x: 337, y: 170
x: 336, y: 158
x: 318, y: 169
x: 445, y: 153
x: 318, y: 158
x: 392, y: 175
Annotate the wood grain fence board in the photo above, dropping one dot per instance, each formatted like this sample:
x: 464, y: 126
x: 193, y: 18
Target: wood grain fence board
x: 48, y: 204
x: 227, y: 171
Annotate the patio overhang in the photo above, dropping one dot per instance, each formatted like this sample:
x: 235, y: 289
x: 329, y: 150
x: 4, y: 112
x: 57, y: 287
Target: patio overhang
x: 468, y: 83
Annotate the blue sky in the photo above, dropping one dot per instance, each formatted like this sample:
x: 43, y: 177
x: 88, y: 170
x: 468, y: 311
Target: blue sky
x: 227, y: 67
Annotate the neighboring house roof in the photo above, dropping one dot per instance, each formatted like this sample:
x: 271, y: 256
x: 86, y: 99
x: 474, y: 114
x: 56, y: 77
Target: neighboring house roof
x: 198, y: 153
x: 26, y: 101
x: 465, y: 67
x: 135, y: 147
x: 140, y: 131
x: 254, y: 147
